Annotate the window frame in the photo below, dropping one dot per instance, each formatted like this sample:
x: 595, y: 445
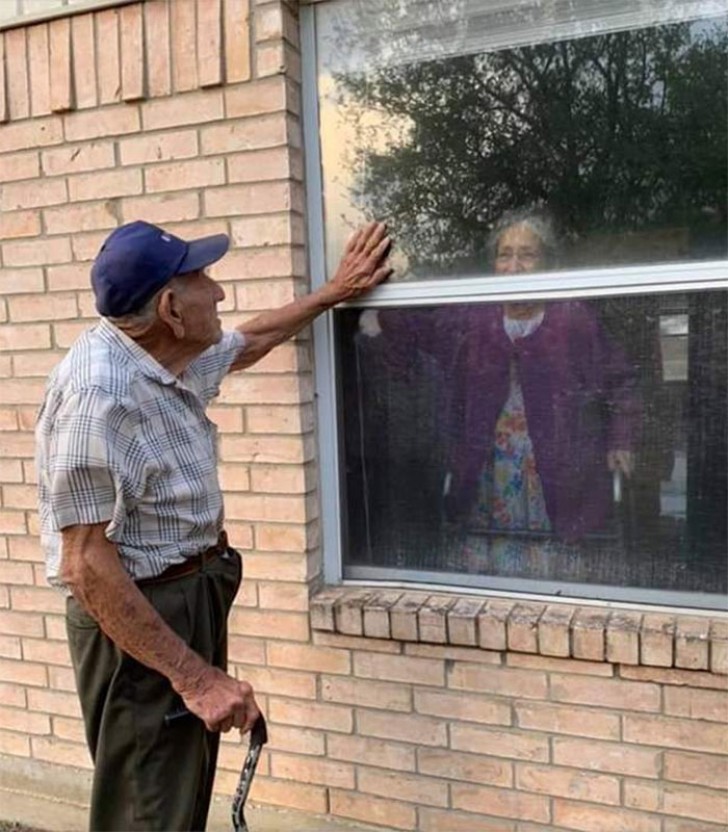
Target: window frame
x: 607, y: 282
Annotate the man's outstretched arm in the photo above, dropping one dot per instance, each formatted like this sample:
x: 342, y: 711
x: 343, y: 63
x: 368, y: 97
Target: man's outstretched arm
x: 363, y: 266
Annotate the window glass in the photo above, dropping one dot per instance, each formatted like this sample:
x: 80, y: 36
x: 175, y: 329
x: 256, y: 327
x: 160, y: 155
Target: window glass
x: 438, y: 117
x: 579, y: 442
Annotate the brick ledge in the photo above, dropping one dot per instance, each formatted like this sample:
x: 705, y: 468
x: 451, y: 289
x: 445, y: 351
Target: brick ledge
x: 560, y: 630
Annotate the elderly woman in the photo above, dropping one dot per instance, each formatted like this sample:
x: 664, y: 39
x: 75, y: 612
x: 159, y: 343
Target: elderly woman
x: 541, y: 406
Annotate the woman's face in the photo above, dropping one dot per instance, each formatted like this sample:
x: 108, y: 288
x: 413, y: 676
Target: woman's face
x: 519, y: 250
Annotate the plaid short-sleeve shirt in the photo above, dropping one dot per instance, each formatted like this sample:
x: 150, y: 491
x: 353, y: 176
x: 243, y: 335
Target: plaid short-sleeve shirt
x: 122, y: 441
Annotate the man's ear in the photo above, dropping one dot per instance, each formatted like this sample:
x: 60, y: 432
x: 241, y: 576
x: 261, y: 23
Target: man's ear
x: 169, y: 311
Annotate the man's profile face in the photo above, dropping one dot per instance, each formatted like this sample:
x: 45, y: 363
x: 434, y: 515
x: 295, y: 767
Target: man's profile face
x: 198, y: 295
x: 519, y: 250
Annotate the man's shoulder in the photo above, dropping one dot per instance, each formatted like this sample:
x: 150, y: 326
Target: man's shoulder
x: 94, y: 365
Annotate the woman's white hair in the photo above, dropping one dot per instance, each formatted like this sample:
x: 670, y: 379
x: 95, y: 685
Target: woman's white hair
x: 538, y: 221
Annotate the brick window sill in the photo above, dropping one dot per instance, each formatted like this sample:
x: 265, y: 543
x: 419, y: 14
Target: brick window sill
x: 620, y: 636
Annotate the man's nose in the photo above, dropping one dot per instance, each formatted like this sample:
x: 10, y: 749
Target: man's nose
x: 219, y: 293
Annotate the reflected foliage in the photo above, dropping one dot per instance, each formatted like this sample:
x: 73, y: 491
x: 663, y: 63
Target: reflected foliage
x: 623, y: 132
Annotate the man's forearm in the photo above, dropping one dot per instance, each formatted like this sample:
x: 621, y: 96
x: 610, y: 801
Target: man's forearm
x: 98, y: 581
x: 267, y: 330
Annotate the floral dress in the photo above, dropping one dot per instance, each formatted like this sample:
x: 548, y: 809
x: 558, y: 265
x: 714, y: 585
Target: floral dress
x: 510, y: 493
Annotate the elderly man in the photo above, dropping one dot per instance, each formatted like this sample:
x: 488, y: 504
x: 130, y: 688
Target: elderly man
x: 132, y: 514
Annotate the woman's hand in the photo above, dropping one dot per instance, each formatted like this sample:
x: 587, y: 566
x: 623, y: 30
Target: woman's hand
x: 621, y: 461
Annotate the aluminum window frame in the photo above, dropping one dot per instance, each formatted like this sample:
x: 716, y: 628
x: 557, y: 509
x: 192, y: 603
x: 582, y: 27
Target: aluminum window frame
x: 580, y: 283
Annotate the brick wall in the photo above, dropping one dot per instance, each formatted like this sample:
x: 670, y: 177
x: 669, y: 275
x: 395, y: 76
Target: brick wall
x: 186, y: 113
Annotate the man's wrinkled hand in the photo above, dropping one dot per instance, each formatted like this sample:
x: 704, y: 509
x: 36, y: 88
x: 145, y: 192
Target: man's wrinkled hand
x: 222, y: 702
x: 364, y: 263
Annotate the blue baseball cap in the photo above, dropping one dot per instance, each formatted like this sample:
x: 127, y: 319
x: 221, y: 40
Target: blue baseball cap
x: 138, y: 259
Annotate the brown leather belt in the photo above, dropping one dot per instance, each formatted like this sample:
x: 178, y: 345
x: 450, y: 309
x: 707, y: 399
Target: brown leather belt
x: 190, y: 565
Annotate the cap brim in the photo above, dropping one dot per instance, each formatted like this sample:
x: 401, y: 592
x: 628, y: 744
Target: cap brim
x: 203, y: 252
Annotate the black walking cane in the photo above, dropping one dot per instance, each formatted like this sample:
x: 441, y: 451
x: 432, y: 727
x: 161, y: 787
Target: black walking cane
x: 258, y: 738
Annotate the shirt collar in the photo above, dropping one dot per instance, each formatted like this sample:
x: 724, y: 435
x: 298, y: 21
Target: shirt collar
x: 145, y: 362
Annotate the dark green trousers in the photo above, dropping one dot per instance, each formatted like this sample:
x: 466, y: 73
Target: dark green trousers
x: 148, y: 775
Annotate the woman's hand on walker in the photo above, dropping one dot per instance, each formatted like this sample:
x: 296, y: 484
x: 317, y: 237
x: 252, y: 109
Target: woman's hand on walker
x: 621, y: 461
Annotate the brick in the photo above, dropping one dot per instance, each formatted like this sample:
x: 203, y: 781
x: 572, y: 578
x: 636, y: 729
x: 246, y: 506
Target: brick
x: 447, y: 820
x: 242, y: 650
x: 15, y: 166
x: 311, y: 715
x: 157, y: 57
x: 12, y: 522
x: 23, y: 673
x: 696, y: 704
x: 456, y: 706
x: 21, y: 281
x: 664, y: 676
x: 184, y: 45
x: 260, y: 97
x: 275, y: 566
x: 471, y: 768
x: 656, y: 640
x: 375, y: 613
x: 104, y: 185
x: 308, y: 770
x: 108, y: 57
x: 492, y: 625
x: 39, y: 193
x: 23, y: 391
x: 69, y: 729
x: 10, y: 647
x: 77, y: 158
x: 403, y: 616
x: 11, y: 471
x: 181, y: 110
x: 687, y: 734
x: 271, y: 59
x: 692, y: 643
x: 677, y: 800
x: 159, y: 147
x: 21, y: 496
x: 432, y: 619
x: 255, y: 198
x: 19, y: 224
x: 558, y: 719
x: 280, y: 596
x: 305, y: 798
x: 184, y: 175
x: 12, y: 695
x: 209, y: 43
x: 719, y: 647
x: 422, y: 730
x: 564, y: 782
x: 267, y: 479
x: 369, y: 751
x: 610, y: 757
x: 499, y: 743
x: 589, y: 634
x: 279, y: 419
x: 281, y: 625
x: 42, y: 308
x: 17, y: 444
x: 462, y: 621
x: 622, y: 637
x: 118, y: 120
x: 348, y: 614
x: 36, y: 133
x: 374, y: 810
x: 227, y: 419
x: 18, y: 82
x: 411, y: 788
x: 501, y: 802
x: 308, y: 657
x: 131, y: 52
x: 53, y: 750
x: 61, y: 78
x: 366, y: 694
x: 266, y: 507
x: 38, y: 64
x: 265, y: 165
x: 236, y: 27
x: 522, y: 627
x: 46, y: 651
x: 162, y: 209
x: 246, y: 134
x: 16, y: 719
x: 605, y: 693
x: 83, y: 217
x: 37, y: 599
x: 579, y: 816
x: 14, y: 744
x: 84, y: 61
x: 281, y: 682
x: 399, y: 669
x: 502, y: 681
x: 376, y: 645
x: 297, y: 741
x: 699, y: 769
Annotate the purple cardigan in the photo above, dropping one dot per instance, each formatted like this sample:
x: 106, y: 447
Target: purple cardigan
x: 579, y: 392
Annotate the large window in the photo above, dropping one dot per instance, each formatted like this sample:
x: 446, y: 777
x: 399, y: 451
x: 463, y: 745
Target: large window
x: 538, y: 401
